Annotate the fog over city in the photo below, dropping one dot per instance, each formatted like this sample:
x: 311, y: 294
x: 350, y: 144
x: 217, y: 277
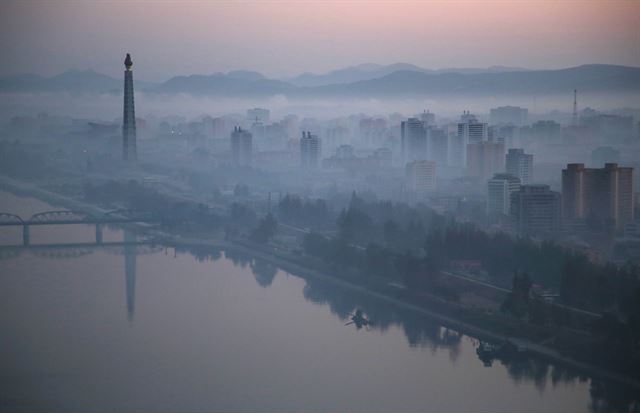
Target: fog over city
x: 320, y: 206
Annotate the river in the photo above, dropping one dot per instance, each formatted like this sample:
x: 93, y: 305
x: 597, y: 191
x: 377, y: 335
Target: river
x: 153, y: 329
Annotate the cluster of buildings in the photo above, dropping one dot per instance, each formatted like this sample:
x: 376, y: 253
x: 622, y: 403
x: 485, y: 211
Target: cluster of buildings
x: 478, y: 169
x: 592, y: 199
x: 242, y: 149
x: 471, y: 150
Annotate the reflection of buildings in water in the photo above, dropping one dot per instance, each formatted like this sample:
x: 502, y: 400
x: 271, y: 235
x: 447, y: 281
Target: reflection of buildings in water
x: 130, y: 254
x: 419, y: 330
x: 612, y: 397
x: 423, y: 332
x: 605, y: 396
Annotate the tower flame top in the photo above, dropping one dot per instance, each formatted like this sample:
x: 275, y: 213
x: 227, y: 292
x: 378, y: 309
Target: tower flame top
x: 128, y: 62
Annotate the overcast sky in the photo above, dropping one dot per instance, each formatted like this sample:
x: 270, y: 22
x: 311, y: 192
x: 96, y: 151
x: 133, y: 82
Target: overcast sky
x: 283, y: 38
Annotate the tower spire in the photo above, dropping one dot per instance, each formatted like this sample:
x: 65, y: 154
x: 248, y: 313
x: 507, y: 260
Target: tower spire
x: 129, y: 151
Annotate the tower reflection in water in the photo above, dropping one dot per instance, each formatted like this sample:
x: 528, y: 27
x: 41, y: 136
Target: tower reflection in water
x: 130, y: 254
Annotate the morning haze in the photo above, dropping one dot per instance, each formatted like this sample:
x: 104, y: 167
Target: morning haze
x: 278, y: 206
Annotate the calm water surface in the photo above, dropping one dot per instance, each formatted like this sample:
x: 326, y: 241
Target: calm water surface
x: 149, y: 329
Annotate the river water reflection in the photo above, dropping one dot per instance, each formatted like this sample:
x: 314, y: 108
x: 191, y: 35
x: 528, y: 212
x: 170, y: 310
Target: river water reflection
x: 142, y: 328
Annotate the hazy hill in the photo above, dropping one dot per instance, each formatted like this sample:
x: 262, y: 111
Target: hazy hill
x: 76, y: 81
x: 592, y: 78
x: 368, y: 71
x: 403, y: 80
x: 232, y: 84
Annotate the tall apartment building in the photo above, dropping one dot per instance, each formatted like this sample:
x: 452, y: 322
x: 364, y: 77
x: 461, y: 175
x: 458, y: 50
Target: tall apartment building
x: 437, y: 145
x: 414, y: 140
x: 428, y: 118
x: 520, y: 165
x: 499, y: 191
x: 536, y: 210
x: 485, y: 159
x: 603, y: 196
x: 241, y: 147
x: 421, y: 178
x: 469, y: 131
x: 310, y: 147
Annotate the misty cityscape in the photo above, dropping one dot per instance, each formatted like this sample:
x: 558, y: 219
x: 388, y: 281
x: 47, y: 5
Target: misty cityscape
x: 225, y: 207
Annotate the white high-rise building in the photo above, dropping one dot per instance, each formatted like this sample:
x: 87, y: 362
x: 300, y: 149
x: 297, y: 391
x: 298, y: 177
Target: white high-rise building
x: 470, y: 131
x: 414, y: 140
x: 520, y: 165
x: 499, y: 191
x: 310, y: 147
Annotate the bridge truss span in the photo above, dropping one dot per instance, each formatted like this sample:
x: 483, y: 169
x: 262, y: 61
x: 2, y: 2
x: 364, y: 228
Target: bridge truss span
x: 10, y: 219
x: 60, y: 216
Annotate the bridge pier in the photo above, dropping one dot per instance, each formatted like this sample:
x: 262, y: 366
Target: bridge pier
x: 25, y: 235
x: 98, y: 233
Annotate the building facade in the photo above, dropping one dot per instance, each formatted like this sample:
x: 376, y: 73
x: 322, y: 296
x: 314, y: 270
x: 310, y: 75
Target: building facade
x: 520, y: 165
x: 437, y: 145
x: 484, y: 159
x: 601, y: 197
x: 536, y: 210
x: 469, y: 131
x: 413, y: 140
x: 310, y: 147
x: 241, y: 147
x: 421, y: 178
x: 500, y: 188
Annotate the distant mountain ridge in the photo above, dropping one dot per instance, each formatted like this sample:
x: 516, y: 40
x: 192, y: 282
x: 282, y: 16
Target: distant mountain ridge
x: 368, y: 71
x: 234, y: 83
x: 591, y: 78
x: 73, y: 80
x: 398, y: 80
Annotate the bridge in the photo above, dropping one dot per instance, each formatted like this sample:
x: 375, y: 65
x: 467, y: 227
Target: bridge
x: 68, y: 217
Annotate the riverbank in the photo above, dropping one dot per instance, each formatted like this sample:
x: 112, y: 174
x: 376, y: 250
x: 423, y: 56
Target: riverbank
x: 292, y: 266
x: 297, y: 266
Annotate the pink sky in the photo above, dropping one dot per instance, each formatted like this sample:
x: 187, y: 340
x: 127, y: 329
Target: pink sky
x: 281, y: 38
